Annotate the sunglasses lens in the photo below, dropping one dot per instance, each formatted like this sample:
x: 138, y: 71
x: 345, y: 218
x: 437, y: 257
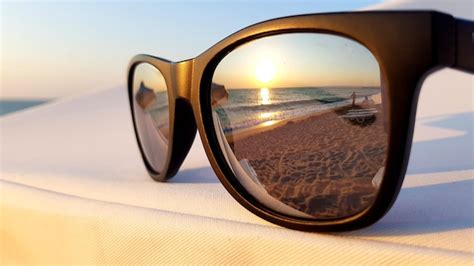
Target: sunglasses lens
x: 151, y: 113
x: 301, y: 122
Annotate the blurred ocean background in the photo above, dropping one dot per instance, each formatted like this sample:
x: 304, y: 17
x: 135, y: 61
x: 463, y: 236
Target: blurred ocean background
x: 10, y: 106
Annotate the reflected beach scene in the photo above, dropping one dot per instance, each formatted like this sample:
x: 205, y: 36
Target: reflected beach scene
x: 151, y: 113
x: 301, y: 121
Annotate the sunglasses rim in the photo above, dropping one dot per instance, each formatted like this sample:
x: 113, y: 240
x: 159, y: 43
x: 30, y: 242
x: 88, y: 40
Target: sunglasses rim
x: 400, y: 129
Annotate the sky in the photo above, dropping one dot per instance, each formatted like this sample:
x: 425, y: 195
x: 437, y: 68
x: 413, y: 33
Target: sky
x: 60, y: 49
x: 298, y: 60
x: 150, y: 76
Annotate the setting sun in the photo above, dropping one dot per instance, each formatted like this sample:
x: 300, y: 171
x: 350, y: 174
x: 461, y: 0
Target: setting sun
x: 265, y: 71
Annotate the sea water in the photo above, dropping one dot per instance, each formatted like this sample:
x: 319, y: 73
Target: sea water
x: 10, y: 106
x: 251, y: 107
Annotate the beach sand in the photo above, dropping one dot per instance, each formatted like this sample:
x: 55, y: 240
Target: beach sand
x: 322, y: 165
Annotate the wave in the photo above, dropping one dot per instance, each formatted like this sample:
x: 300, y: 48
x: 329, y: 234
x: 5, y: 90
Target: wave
x: 233, y: 120
x: 283, y: 105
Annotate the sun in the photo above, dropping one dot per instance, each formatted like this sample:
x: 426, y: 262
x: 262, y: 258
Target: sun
x: 265, y: 71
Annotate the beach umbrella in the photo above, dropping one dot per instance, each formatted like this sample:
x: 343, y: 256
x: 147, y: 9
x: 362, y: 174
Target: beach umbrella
x: 145, y: 97
x: 219, y: 94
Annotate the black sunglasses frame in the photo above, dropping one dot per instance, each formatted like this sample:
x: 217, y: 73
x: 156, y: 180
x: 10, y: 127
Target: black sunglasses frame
x: 408, y: 46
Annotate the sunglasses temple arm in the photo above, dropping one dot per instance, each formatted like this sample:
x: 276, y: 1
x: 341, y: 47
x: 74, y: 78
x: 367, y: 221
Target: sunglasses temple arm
x: 464, y: 55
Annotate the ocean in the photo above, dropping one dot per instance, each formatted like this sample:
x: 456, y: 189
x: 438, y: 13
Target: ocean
x: 10, y: 106
x: 250, y: 107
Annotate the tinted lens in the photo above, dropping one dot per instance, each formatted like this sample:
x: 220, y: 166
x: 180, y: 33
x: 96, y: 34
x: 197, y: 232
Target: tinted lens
x: 150, y: 103
x: 301, y: 121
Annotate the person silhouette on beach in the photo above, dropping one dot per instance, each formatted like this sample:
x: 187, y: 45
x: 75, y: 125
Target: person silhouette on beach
x: 353, y: 95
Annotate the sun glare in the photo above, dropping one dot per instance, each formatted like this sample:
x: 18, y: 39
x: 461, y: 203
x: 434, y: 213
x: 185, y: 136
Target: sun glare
x: 265, y: 71
x: 266, y: 115
x: 264, y: 96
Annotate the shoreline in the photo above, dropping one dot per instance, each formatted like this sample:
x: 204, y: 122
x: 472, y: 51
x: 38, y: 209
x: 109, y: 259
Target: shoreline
x: 266, y: 126
x: 273, y: 124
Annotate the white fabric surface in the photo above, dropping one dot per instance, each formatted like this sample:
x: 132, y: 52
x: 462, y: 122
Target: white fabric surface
x: 73, y: 188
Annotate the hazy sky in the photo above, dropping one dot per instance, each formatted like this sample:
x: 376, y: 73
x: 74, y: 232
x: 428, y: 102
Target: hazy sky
x: 54, y: 49
x: 298, y: 60
x: 150, y: 76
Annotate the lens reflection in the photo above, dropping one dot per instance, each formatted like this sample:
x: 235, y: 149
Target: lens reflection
x: 301, y: 121
x: 150, y: 103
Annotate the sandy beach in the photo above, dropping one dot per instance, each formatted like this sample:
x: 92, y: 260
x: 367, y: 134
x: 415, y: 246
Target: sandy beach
x: 322, y: 164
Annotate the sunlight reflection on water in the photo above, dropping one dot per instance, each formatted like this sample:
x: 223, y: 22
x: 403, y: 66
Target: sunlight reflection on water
x: 265, y: 96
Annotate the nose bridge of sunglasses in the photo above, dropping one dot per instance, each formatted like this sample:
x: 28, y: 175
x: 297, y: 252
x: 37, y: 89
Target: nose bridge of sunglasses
x: 182, y: 75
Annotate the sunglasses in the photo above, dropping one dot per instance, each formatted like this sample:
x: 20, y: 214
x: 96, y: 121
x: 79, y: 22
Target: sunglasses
x: 306, y: 120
